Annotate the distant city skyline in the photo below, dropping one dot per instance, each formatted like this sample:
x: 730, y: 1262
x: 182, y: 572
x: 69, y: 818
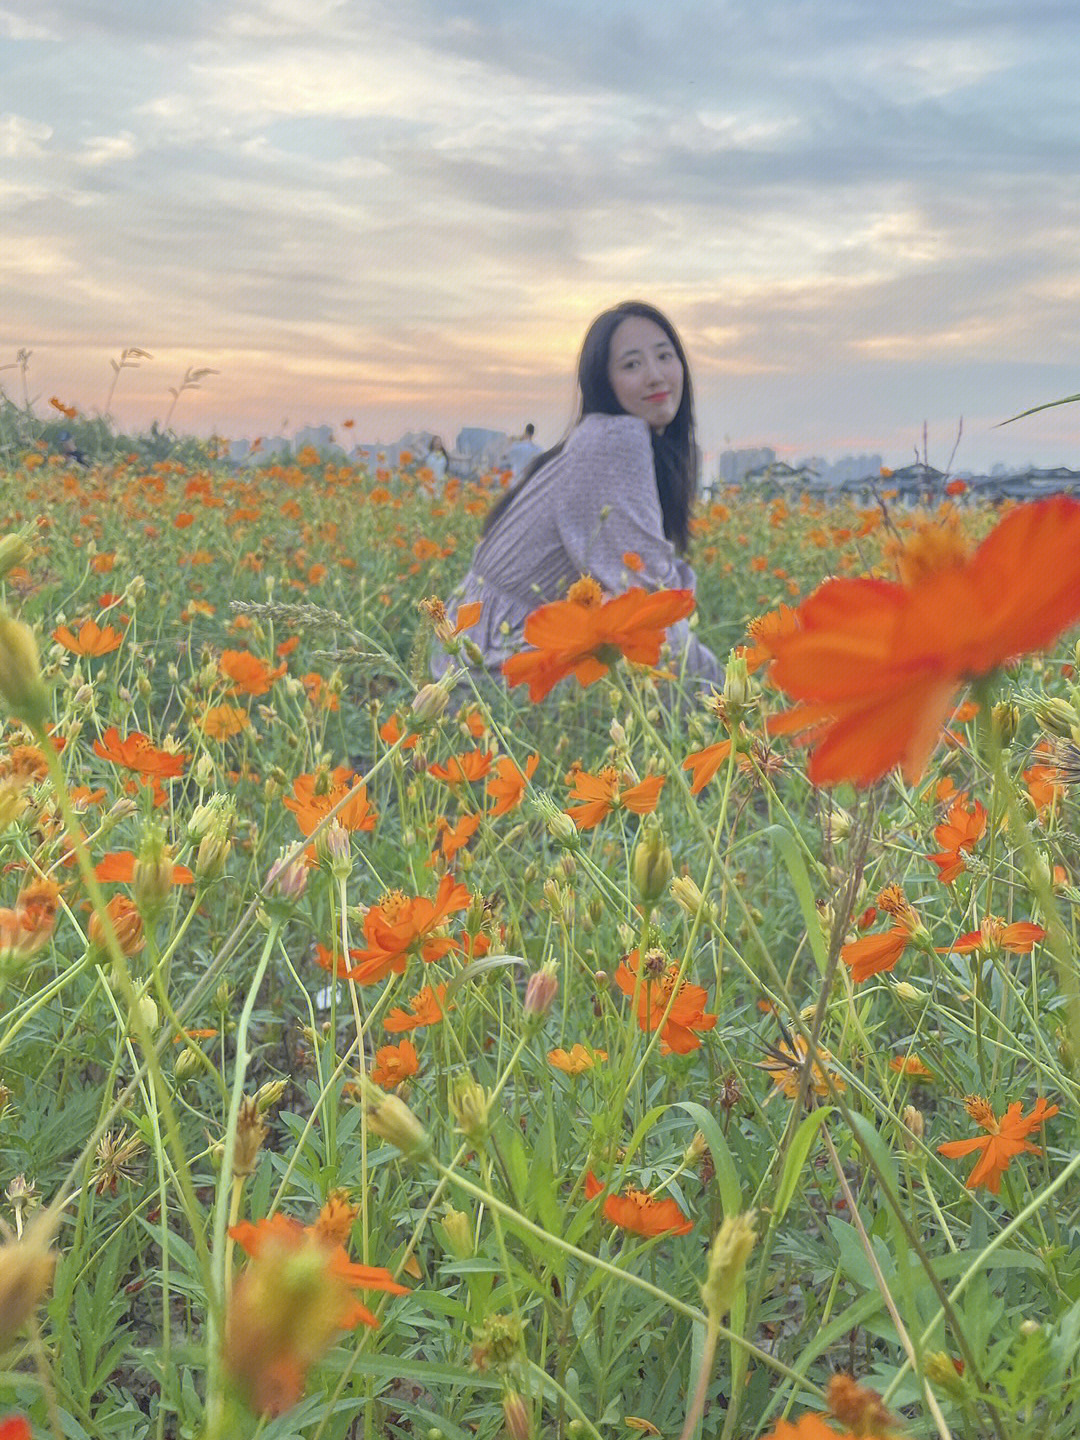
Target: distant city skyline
x: 861, y: 218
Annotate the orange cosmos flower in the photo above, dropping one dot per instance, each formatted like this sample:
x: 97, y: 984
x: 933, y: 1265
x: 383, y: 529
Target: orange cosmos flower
x: 319, y: 692
x: 471, y: 765
x: 316, y: 795
x: 638, y: 1211
x: 222, y: 722
x: 859, y: 1408
x: 874, y: 665
x: 993, y: 934
x: 963, y: 829
x: 659, y: 985
x: 453, y: 838
x: 400, y: 926
x: 1004, y: 1139
x: 425, y: 1008
x: 136, y: 752
x: 1044, y: 785
x: 576, y: 1060
x: 394, y: 1063
x: 507, y: 786
x: 28, y: 927
x: 602, y: 793
x: 249, y: 674
x: 126, y: 922
x: 785, y: 1065
x: 119, y: 865
x: 584, y: 635
x: 288, y: 1306
x: 391, y: 732
x: 705, y: 763
x: 872, y: 954
x: 92, y: 639
x: 764, y: 632
x: 911, y: 1065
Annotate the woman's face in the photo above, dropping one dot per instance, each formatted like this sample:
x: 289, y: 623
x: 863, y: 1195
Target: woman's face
x: 645, y: 372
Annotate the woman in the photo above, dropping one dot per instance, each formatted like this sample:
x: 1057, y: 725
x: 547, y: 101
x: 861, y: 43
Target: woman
x: 612, y: 500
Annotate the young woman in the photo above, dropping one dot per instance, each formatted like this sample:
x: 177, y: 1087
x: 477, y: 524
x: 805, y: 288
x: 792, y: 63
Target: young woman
x: 612, y: 500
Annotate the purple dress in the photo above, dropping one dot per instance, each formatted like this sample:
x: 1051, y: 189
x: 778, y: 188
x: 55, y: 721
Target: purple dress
x: 579, y: 515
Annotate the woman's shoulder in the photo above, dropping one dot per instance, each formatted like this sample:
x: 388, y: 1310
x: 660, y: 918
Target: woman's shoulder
x: 600, y: 429
x: 620, y: 440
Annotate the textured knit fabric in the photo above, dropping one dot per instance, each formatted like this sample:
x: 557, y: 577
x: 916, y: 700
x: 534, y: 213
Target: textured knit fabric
x: 579, y: 515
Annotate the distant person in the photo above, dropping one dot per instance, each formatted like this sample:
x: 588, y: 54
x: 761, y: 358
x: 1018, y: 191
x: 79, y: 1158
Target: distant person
x: 437, y: 460
x: 520, y: 453
x: 611, y: 500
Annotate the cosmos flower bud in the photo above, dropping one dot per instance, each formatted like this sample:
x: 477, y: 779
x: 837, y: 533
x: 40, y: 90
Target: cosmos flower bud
x: 212, y: 856
x: 14, y: 550
x: 687, y: 895
x: 250, y: 1133
x: 269, y: 1094
x: 942, y: 1370
x: 727, y: 1260
x: 697, y: 1147
x: 153, y: 871
x: 1056, y: 716
x: 651, y: 864
x: 202, y: 772
x: 333, y: 849
x: 910, y: 993
x: 22, y: 689
x: 286, y: 880
x: 541, y: 990
x: 914, y: 1128
x: 392, y: 1120
x: 458, y: 1232
x: 516, y: 1416
x: 429, y: 704
x: 1005, y: 719
x: 470, y: 1105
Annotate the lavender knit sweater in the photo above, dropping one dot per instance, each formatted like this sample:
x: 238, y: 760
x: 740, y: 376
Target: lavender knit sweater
x: 579, y: 515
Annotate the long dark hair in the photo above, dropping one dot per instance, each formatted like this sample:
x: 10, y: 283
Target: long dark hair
x: 675, y: 455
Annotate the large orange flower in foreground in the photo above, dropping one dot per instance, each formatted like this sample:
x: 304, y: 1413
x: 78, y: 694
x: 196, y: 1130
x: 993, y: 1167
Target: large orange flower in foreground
x: 658, y: 983
x: 875, y: 665
x: 585, y: 634
x: 639, y: 1211
x: 1004, y: 1139
x: 287, y: 1307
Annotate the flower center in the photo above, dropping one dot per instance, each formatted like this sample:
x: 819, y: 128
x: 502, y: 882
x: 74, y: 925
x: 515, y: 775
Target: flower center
x: 394, y: 905
x: 935, y: 546
x: 586, y: 592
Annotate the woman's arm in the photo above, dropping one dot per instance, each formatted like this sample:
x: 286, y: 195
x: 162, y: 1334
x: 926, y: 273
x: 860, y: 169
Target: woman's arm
x: 608, y: 507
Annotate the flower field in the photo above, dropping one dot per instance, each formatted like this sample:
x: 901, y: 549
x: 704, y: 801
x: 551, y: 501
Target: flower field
x: 592, y: 1056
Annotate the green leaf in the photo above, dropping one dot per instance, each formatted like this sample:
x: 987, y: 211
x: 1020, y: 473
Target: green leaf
x: 804, y: 894
x: 795, y: 1159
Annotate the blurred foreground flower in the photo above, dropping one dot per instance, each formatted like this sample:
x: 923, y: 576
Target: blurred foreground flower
x: 875, y: 665
x: 584, y: 635
x: 1004, y: 1139
x: 26, y: 1268
x: 290, y: 1303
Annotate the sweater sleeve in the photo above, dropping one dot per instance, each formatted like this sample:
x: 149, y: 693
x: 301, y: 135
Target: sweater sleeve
x: 608, y: 507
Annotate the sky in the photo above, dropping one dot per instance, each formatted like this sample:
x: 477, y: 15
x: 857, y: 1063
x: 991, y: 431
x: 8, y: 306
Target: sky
x: 861, y: 216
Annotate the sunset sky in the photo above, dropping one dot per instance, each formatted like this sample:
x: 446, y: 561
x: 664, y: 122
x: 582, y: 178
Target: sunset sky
x: 860, y: 215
